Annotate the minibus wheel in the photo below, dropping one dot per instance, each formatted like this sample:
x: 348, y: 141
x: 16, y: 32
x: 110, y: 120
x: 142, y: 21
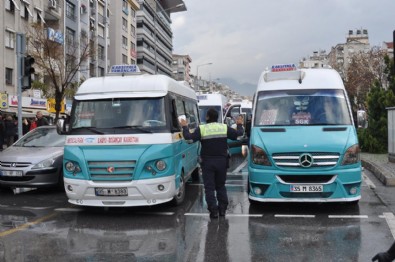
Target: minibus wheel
x: 179, y: 197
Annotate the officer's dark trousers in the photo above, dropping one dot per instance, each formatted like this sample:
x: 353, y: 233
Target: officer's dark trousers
x: 214, y: 178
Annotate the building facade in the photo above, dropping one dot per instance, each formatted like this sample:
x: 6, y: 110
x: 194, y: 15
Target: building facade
x: 154, y: 35
x: 123, y: 32
x: 181, y: 68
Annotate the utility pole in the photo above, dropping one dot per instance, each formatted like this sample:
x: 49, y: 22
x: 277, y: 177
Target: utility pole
x: 20, y: 55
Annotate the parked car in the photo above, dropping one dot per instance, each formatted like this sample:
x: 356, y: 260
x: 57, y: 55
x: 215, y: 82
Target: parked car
x: 35, y: 160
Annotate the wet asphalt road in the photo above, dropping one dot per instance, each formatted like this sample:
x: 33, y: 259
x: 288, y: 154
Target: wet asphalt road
x: 40, y: 225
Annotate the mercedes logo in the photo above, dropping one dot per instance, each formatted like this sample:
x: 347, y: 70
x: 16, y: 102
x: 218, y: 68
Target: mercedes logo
x: 13, y: 164
x: 306, y: 160
x: 110, y: 169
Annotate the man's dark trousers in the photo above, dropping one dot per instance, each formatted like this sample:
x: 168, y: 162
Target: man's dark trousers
x: 214, y: 178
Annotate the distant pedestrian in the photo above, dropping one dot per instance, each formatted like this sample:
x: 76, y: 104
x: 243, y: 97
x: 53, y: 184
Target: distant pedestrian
x: 386, y: 256
x: 2, y: 132
x: 25, y: 126
x: 214, y: 158
x: 33, y: 123
x: 41, y: 120
x: 11, y: 130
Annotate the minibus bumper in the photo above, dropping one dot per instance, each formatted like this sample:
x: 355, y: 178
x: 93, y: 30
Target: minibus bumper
x: 341, y: 185
x: 144, y: 192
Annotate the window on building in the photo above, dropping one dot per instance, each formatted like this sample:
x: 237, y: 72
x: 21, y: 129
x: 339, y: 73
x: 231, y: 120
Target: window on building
x: 9, y: 39
x: 132, y: 12
x: 92, y: 71
x: 125, y: 7
x: 124, y: 59
x: 70, y: 11
x: 132, y: 46
x: 124, y: 24
x: 124, y: 42
x: 8, y: 76
x: 25, y: 12
x: 100, y: 52
x: 132, y: 61
x: 100, y: 31
x: 70, y: 36
x: 39, y: 18
x: 132, y: 30
x: 10, y: 5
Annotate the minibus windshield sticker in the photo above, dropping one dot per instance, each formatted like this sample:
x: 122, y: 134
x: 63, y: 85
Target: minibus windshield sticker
x: 268, y: 117
x: 282, y: 68
x: 301, y: 118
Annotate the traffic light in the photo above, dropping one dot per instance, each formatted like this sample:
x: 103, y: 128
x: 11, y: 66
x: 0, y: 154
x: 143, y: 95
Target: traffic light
x: 28, y: 70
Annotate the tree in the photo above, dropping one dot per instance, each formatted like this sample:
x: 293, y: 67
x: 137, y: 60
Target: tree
x: 374, y: 139
x: 364, y: 69
x: 58, y: 61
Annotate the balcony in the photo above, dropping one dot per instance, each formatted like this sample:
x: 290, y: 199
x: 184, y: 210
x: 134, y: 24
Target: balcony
x: 53, y: 11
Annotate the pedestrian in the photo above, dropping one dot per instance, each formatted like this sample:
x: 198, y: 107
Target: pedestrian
x: 214, y: 158
x: 25, y: 126
x: 33, y: 123
x: 387, y: 256
x: 2, y: 132
x: 11, y: 130
x: 41, y: 120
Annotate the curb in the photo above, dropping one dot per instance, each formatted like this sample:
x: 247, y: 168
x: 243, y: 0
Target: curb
x: 381, y: 173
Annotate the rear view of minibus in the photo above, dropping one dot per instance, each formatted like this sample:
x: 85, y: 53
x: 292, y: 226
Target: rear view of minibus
x: 303, y: 144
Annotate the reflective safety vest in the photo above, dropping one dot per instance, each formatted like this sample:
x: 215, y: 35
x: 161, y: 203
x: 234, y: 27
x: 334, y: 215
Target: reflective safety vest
x: 213, y: 130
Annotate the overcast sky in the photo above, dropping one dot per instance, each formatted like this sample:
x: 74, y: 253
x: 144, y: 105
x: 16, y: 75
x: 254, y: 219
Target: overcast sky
x: 242, y: 38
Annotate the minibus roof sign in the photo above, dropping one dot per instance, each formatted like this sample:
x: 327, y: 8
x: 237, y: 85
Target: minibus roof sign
x: 115, y: 69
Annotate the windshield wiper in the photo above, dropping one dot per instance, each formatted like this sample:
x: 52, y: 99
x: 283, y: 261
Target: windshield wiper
x: 90, y: 128
x: 140, y: 128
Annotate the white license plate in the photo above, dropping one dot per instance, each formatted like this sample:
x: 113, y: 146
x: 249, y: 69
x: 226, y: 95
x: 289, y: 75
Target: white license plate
x: 123, y: 191
x: 306, y: 188
x: 12, y: 173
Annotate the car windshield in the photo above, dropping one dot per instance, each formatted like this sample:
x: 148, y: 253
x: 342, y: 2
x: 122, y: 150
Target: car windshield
x: 41, y: 137
x: 119, y: 115
x: 203, y: 111
x: 302, y: 107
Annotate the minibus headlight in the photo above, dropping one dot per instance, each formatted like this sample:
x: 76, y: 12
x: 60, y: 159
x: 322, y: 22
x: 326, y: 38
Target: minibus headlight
x: 160, y: 165
x: 72, y: 167
x: 352, y: 155
x: 259, y: 156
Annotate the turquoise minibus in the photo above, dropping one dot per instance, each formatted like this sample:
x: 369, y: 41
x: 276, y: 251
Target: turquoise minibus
x: 124, y: 145
x: 303, y: 143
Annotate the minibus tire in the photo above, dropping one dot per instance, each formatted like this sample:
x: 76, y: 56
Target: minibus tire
x: 195, y: 174
x: 179, y: 198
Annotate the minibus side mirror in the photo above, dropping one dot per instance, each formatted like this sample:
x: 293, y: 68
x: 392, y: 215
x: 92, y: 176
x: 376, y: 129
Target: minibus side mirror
x: 362, y: 119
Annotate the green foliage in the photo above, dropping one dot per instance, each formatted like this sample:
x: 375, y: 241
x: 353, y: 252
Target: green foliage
x: 374, y: 139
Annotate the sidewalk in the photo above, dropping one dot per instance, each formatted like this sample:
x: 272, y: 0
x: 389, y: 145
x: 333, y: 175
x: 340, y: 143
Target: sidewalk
x: 379, y: 165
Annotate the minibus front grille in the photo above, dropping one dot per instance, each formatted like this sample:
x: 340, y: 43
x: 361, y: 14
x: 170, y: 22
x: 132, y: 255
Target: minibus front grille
x: 307, y: 179
x: 320, y: 159
x: 111, y: 170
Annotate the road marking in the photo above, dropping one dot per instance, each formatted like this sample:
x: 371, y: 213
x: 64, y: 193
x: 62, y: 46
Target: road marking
x: 241, y: 166
x: 368, y: 182
x: 389, y: 217
x: 227, y: 215
x: 347, y: 216
x: 302, y: 216
x: 157, y: 213
x: 22, y: 227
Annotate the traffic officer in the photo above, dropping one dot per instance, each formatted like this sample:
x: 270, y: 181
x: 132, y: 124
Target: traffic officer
x: 387, y: 256
x: 214, y: 158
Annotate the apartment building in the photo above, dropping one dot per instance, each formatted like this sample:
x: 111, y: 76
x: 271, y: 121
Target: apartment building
x: 181, y: 68
x: 154, y: 35
x: 339, y: 56
x: 123, y: 32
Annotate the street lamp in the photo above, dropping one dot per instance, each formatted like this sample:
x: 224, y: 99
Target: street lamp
x: 197, y: 74
x: 156, y: 30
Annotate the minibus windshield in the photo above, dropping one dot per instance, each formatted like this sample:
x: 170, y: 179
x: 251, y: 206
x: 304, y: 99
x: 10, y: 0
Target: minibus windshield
x: 203, y: 111
x: 302, y: 107
x: 138, y: 114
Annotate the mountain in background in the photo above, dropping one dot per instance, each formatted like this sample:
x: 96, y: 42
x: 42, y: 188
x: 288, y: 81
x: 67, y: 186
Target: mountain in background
x: 245, y: 89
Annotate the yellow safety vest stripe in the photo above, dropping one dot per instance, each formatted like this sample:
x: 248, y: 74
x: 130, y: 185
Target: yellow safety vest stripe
x: 213, y: 130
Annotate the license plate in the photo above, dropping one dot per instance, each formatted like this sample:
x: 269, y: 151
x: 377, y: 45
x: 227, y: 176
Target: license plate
x: 12, y: 173
x: 123, y: 191
x: 306, y: 188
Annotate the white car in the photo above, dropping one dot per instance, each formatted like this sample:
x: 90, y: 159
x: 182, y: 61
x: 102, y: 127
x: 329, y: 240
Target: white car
x: 35, y: 160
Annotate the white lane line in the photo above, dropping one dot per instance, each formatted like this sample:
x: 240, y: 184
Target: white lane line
x: 368, y: 182
x: 302, y: 216
x: 227, y: 215
x: 347, y: 216
x: 240, y: 167
x: 389, y: 217
x: 156, y: 213
x: 68, y: 209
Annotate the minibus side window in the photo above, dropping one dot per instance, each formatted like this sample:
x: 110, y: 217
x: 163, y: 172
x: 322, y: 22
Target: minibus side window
x: 192, y: 114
